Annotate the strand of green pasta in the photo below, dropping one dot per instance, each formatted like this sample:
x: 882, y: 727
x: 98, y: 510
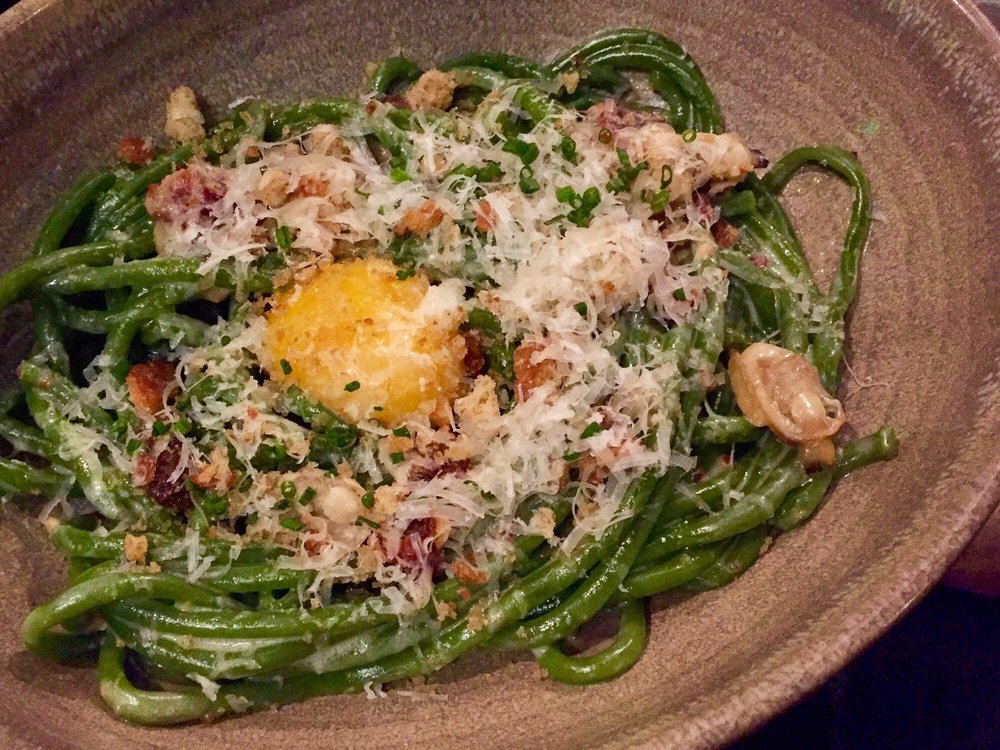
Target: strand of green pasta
x: 428, y: 656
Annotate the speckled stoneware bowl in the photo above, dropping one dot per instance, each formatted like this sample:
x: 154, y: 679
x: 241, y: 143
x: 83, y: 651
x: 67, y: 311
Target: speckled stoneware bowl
x: 912, y: 85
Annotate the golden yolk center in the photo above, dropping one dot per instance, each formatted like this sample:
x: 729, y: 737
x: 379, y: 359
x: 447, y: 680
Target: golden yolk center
x: 355, y: 338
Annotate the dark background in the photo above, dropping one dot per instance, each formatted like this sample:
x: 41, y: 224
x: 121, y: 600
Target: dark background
x: 931, y: 683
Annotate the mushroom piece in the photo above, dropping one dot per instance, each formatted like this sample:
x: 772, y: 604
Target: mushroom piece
x: 781, y: 390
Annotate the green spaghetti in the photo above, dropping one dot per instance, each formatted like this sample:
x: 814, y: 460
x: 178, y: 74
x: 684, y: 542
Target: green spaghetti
x: 337, y: 392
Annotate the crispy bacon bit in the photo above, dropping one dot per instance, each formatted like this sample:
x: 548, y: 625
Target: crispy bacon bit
x: 529, y: 375
x: 142, y: 473
x: 162, y: 489
x: 370, y: 107
x: 135, y: 150
x: 182, y: 192
x: 420, y: 220
x: 486, y: 216
x: 215, y: 474
x: 314, y: 547
x: 709, y: 212
x: 311, y: 187
x: 423, y: 540
x: 469, y: 574
x: 724, y: 233
x: 759, y: 260
x: 149, y: 384
x: 396, y: 101
x: 425, y: 473
x: 475, y: 359
x: 613, y: 116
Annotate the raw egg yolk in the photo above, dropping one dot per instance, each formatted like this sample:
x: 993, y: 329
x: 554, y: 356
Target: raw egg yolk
x: 366, y: 343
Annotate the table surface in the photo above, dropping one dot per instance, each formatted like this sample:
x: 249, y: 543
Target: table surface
x: 932, y: 682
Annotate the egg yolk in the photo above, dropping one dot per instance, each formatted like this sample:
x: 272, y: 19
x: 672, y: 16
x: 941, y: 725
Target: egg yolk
x: 362, y: 341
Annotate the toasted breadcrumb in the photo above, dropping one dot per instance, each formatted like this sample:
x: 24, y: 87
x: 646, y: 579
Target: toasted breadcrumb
x: 420, y: 220
x: 433, y: 90
x: 470, y: 574
x: 477, y: 618
x: 445, y: 611
x: 543, y: 523
x: 136, y: 548
x: 185, y: 122
x: 569, y: 81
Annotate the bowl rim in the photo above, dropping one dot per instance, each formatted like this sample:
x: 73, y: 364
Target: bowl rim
x: 815, y: 656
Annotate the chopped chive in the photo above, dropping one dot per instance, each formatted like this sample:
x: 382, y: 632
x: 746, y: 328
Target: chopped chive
x: 362, y: 521
x: 565, y: 194
x: 401, y: 432
x: 398, y: 174
x: 583, y: 205
x: 288, y: 489
x: 485, y: 321
x: 283, y: 237
x: 182, y: 426
x: 368, y: 499
x: 527, y: 152
x: 396, y: 457
x: 225, y: 340
x: 659, y: 201
x: 571, y: 456
x: 581, y: 307
x: 352, y: 386
x: 133, y: 445
x: 688, y: 135
x: 622, y: 181
x: 120, y: 425
x: 679, y: 295
x: 404, y: 273
x: 292, y: 524
x: 489, y: 172
x: 307, y: 496
x: 246, y: 484
x: 286, y: 366
x: 590, y: 430
x: 666, y: 176
x: 527, y: 182
x: 604, y: 135
x: 567, y: 147
x: 160, y: 428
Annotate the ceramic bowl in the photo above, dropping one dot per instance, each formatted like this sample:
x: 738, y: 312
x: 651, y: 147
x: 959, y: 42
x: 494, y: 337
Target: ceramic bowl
x: 912, y: 85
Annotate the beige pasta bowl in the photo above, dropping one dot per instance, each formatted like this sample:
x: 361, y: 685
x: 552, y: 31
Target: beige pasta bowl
x: 913, y: 86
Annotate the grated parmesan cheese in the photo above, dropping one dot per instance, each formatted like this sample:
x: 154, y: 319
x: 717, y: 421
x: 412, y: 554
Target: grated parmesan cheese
x: 555, y: 276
